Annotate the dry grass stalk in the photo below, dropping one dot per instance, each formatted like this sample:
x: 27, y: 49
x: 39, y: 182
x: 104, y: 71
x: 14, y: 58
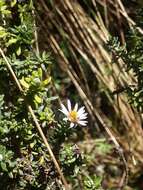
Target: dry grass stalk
x: 86, y: 40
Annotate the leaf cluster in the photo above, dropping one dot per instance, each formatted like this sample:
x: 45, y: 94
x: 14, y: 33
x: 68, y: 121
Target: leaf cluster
x: 132, y: 54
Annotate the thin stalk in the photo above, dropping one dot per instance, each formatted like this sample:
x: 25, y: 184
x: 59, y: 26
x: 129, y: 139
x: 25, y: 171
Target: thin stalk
x: 35, y: 30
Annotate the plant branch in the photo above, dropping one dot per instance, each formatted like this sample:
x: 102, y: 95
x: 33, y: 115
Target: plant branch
x: 35, y: 120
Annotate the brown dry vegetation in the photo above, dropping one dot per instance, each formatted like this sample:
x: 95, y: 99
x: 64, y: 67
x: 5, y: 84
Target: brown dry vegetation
x: 77, y: 40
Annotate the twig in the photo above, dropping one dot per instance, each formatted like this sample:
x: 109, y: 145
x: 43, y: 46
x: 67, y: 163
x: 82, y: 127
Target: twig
x: 106, y: 14
x: 35, y: 29
x: 120, y: 23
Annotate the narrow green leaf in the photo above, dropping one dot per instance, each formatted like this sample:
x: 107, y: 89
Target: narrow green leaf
x: 38, y: 99
x: 24, y: 83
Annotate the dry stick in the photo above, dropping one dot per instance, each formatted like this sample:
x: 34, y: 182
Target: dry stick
x: 71, y: 48
x: 124, y: 13
x: 35, y: 32
x: 35, y: 121
x: 100, y: 22
x: 120, y: 23
x: 77, y: 24
x: 106, y: 14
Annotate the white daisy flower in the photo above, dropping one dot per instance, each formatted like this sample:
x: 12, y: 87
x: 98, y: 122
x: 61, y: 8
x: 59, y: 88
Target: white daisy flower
x: 75, y: 115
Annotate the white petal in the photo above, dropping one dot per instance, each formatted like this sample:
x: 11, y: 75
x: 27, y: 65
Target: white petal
x: 64, y: 109
x: 69, y: 105
x: 84, y: 123
x: 76, y: 107
x: 83, y: 115
x: 81, y: 111
x: 71, y: 125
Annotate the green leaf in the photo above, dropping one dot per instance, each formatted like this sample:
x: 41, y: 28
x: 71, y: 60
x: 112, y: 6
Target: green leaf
x: 6, y: 12
x: 97, y: 181
x: 92, y: 182
x: 2, y: 3
x: 40, y: 72
x: 18, y: 51
x: 10, y: 175
x: 41, y: 160
x: 3, y: 166
x: 24, y: 83
x: 11, y: 41
x: 47, y: 81
x: 3, y: 32
x: 52, y: 98
x: 13, y: 2
x: 20, y: 172
x: 1, y: 157
x: 38, y: 99
x: 32, y: 144
x: 3, y: 7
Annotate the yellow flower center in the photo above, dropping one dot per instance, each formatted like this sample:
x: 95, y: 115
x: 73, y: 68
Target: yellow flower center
x: 73, y: 116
